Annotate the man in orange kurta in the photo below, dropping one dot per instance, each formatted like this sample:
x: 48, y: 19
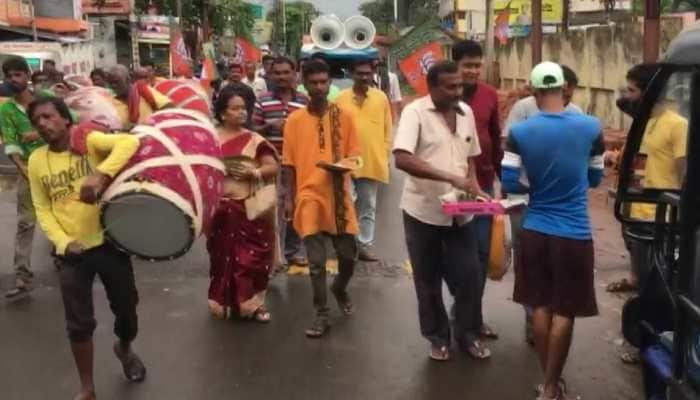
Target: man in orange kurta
x: 320, y: 203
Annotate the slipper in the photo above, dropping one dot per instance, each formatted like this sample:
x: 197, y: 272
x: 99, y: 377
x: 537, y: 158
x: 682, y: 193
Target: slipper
x: 318, y: 329
x: 621, y: 286
x: 477, y: 350
x: 629, y: 357
x: 488, y: 333
x: 261, y: 315
x: 343, y: 300
x: 133, y: 367
x: 440, y: 353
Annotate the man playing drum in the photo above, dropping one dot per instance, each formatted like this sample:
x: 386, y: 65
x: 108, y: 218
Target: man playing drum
x: 65, y: 188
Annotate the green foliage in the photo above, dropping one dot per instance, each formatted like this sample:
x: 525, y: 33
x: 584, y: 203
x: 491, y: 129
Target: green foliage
x: 299, y: 16
x: 381, y: 12
x: 223, y: 14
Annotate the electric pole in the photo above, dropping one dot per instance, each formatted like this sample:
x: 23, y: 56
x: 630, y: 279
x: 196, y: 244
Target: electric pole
x: 536, y: 33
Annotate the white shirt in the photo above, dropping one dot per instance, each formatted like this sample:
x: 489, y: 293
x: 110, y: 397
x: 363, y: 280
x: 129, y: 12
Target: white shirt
x: 424, y: 133
x: 394, y: 87
x: 258, y: 85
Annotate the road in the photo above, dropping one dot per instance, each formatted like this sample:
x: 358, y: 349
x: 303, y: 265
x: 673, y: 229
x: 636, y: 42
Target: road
x: 376, y: 354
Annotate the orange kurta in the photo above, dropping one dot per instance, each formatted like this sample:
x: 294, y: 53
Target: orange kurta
x: 314, y: 209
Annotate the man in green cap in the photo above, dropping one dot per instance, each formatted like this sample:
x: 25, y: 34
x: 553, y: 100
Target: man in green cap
x: 554, y: 156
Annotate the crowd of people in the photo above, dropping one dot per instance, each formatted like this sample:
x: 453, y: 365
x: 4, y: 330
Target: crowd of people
x: 303, y: 168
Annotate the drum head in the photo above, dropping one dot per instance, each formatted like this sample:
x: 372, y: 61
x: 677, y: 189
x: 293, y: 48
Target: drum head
x: 147, y: 226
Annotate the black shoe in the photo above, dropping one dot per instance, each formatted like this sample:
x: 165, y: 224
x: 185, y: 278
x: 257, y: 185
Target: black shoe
x: 367, y: 256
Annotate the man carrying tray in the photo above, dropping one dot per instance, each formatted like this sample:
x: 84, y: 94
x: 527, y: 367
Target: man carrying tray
x: 65, y: 188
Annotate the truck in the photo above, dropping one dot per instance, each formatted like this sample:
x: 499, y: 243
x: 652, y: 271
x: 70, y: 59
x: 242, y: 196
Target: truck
x: 74, y: 57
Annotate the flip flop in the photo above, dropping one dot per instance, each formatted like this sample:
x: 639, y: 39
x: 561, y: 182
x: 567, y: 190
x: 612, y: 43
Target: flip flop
x: 621, y: 286
x: 477, y: 350
x: 439, y: 353
x: 488, y: 333
x: 133, y: 367
x: 318, y: 329
x: 261, y: 315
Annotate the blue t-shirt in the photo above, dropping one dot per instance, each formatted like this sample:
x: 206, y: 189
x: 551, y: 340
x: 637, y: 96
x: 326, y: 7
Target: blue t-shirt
x: 561, y: 155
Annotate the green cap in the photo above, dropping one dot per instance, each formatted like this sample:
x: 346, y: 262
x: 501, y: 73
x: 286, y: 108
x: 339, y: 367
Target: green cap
x: 547, y: 75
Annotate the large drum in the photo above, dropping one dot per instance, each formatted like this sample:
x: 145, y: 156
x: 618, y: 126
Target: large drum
x: 185, y: 94
x: 167, y: 193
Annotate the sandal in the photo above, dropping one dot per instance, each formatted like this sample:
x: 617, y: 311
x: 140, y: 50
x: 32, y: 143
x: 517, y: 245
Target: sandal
x: 539, y: 389
x: 344, y: 302
x: 133, y: 367
x: 478, y: 350
x: 318, y: 329
x: 621, y: 286
x: 262, y: 315
x: 488, y: 333
x: 439, y: 353
x: 630, y: 357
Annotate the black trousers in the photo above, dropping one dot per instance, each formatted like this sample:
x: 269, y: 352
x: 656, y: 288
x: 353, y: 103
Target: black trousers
x: 446, y: 253
x: 346, y: 250
x: 77, y: 275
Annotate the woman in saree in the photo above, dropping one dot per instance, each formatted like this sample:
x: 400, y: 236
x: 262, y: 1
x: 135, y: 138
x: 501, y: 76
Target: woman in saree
x: 241, y: 251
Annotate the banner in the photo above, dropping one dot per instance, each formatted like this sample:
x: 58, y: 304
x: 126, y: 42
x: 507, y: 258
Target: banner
x: 180, y: 60
x: 417, y: 52
x: 520, y: 11
x: 245, y: 50
x: 415, y: 67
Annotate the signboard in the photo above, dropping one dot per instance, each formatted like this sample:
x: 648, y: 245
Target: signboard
x: 521, y: 11
x: 154, y: 28
x: 257, y: 10
x: 262, y: 31
x: 109, y: 7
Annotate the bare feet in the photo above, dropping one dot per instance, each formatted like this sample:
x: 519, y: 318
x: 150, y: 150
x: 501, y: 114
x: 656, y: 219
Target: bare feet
x: 86, y: 394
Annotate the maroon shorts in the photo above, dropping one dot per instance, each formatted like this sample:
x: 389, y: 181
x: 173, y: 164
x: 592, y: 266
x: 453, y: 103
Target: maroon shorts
x: 556, y: 273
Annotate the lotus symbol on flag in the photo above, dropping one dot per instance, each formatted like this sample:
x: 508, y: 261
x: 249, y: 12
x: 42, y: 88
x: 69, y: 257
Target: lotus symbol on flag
x: 426, y: 61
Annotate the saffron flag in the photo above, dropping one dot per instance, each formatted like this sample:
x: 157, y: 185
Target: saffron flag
x: 246, y: 50
x: 209, y: 71
x: 415, y: 67
x: 502, y: 25
x: 180, y: 60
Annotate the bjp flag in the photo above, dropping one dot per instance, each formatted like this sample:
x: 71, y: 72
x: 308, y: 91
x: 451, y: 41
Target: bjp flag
x: 415, y: 67
x: 181, y: 62
x: 246, y: 50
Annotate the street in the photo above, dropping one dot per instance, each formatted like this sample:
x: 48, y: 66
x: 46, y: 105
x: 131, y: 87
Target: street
x: 376, y: 354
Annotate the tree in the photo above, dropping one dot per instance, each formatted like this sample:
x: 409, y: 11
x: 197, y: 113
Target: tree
x: 232, y: 14
x: 381, y: 12
x: 299, y: 16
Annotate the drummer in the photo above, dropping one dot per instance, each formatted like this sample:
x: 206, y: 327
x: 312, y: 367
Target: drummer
x: 134, y: 101
x: 65, y: 193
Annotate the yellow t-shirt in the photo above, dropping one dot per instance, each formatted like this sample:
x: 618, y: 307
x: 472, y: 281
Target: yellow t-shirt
x: 145, y: 109
x: 55, y: 180
x: 304, y: 146
x: 374, y: 124
x: 665, y: 140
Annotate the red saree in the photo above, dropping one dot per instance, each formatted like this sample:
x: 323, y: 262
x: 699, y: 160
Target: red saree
x: 241, y: 252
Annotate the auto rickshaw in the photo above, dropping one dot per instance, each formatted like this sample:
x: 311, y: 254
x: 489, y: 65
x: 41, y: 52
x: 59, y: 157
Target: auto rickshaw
x: 663, y: 320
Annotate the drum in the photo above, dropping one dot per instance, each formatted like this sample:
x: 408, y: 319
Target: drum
x: 166, y: 195
x: 185, y: 94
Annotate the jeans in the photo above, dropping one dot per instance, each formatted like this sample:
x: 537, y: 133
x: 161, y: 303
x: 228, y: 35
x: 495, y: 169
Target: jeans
x: 446, y: 253
x: 346, y: 251
x: 365, y: 197
x: 26, y: 221
x: 289, y: 244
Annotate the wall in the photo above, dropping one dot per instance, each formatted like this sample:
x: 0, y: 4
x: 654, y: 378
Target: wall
x: 600, y: 56
x: 57, y: 8
x: 104, y: 44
